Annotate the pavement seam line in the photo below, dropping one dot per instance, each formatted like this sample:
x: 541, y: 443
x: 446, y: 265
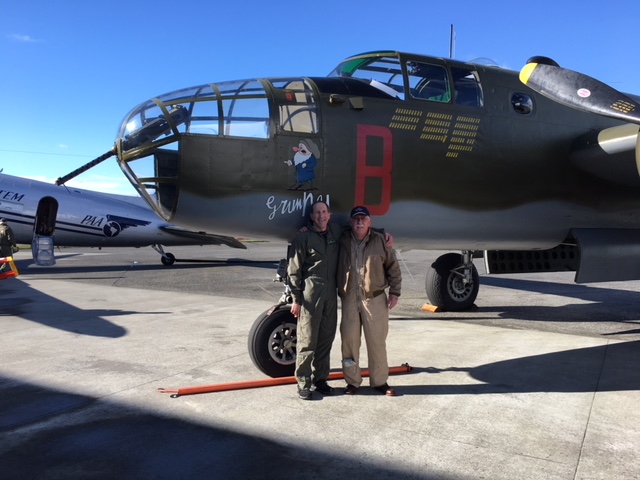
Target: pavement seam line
x: 593, y: 398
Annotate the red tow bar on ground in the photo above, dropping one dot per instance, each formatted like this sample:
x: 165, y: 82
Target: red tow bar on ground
x: 267, y: 382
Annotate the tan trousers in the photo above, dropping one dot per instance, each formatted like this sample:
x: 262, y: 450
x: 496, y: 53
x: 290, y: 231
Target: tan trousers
x: 372, y: 317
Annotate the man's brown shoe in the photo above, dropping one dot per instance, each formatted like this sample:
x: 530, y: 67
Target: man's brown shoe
x: 350, y: 390
x: 385, y: 389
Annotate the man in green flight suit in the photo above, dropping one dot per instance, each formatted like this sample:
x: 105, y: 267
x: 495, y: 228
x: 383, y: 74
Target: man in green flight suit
x: 312, y: 276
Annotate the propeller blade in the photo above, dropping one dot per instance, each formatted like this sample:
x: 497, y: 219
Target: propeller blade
x: 579, y: 91
x: 86, y: 167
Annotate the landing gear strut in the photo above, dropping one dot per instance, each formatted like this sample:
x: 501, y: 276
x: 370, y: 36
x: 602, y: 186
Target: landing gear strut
x: 452, y: 282
x: 272, y: 338
x: 166, y: 258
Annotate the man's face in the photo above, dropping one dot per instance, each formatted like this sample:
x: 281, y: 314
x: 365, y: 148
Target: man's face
x: 320, y: 216
x: 360, y: 224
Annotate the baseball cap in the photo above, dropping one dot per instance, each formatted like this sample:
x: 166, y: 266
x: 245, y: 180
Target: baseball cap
x: 360, y: 210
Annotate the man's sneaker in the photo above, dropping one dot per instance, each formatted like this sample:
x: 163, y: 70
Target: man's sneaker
x: 323, y: 387
x: 305, y: 394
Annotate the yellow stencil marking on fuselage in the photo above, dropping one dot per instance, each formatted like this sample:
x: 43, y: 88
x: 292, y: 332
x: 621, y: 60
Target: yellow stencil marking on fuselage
x: 622, y: 106
x: 405, y: 119
x: 463, y: 136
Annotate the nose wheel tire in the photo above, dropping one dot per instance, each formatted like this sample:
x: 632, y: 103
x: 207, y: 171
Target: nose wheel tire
x: 272, y: 342
x: 447, y: 287
x: 168, y: 259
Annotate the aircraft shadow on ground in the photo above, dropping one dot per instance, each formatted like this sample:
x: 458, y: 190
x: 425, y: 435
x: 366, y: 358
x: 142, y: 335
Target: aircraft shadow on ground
x: 607, y: 304
x: 605, y: 368
x: 69, y: 434
x: 27, y: 266
x: 20, y: 300
x: 579, y: 291
x: 46, y: 433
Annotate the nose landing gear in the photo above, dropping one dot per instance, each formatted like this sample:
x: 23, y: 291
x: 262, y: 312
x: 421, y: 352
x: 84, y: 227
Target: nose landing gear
x: 166, y: 258
x: 272, y: 338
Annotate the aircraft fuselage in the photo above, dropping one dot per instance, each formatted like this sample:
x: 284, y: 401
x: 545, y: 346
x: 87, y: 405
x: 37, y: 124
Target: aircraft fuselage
x: 486, y: 171
x: 81, y: 217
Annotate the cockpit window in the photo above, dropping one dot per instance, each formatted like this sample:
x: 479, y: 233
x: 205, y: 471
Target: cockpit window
x: 467, y: 87
x: 428, y: 82
x: 297, y: 106
x: 382, y: 72
x: 237, y: 108
x: 244, y: 109
x: 522, y: 103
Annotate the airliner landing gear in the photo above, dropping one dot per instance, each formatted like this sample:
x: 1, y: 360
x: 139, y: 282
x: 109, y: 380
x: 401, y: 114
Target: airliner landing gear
x: 452, y: 282
x: 272, y: 338
x: 166, y: 258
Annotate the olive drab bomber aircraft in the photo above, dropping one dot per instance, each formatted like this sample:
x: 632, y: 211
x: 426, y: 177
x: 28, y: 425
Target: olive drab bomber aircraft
x: 535, y: 170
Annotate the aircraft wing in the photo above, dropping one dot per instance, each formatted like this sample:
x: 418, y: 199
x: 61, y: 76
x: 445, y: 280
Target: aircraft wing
x: 206, y: 238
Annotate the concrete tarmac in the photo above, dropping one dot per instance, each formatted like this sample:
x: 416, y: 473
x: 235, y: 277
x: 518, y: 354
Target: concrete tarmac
x: 541, y: 381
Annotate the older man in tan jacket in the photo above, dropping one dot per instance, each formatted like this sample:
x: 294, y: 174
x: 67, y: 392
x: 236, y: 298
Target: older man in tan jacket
x: 366, y: 268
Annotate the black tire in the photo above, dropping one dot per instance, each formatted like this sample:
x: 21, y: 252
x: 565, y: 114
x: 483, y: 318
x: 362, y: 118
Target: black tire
x: 445, y: 287
x: 168, y: 259
x: 272, y: 342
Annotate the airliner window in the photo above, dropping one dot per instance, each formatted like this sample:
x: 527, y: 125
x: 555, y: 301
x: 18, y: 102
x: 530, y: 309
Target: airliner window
x: 384, y: 73
x: 522, y: 103
x: 297, y: 106
x: 466, y: 87
x: 428, y: 82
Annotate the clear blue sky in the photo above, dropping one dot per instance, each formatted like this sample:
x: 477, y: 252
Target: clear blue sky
x: 71, y: 70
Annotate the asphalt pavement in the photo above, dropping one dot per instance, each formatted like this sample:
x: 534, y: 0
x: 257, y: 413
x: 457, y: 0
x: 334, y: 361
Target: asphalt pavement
x: 540, y: 381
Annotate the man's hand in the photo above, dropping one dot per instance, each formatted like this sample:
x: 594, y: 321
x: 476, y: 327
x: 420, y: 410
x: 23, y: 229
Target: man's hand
x: 295, y: 310
x: 389, y: 239
x: 393, y: 301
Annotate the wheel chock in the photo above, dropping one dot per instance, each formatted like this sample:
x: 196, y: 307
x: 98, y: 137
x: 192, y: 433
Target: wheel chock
x: 427, y: 307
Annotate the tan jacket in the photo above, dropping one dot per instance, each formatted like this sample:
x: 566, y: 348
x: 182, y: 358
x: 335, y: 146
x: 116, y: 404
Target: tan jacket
x: 381, y: 267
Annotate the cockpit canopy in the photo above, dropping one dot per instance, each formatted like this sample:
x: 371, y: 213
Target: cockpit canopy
x: 416, y: 77
x: 381, y: 69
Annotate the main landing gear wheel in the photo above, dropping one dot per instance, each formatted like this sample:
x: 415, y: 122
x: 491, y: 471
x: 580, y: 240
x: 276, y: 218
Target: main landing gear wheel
x: 447, y: 285
x: 272, y: 342
x: 168, y: 259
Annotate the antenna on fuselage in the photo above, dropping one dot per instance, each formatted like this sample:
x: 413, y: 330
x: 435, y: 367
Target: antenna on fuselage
x: 452, y: 41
